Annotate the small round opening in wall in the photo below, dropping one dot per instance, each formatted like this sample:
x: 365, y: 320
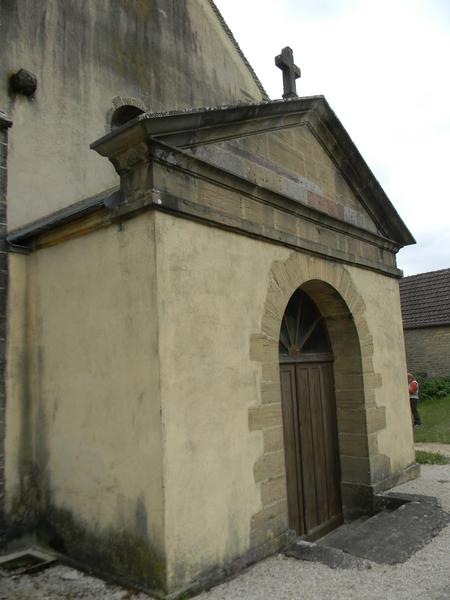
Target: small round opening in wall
x: 123, y: 114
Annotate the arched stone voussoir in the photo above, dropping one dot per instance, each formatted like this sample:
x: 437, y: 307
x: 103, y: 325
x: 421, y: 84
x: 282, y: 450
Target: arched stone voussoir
x: 337, y: 297
x: 263, y: 348
x: 270, y: 325
x: 287, y: 276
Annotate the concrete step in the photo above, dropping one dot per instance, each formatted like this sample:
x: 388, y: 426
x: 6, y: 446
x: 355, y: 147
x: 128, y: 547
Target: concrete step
x: 390, y: 537
x: 332, y: 557
x: 338, y: 536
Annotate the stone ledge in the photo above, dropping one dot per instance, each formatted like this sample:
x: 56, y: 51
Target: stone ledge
x: 334, y: 558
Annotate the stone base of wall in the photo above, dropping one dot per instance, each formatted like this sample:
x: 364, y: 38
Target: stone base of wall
x: 205, y: 581
x: 411, y: 472
x: 358, y: 499
x: 232, y: 569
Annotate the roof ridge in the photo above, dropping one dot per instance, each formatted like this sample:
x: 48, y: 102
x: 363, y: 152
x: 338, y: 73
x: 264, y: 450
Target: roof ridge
x: 191, y: 110
x: 425, y: 273
x: 238, y: 48
x: 425, y: 299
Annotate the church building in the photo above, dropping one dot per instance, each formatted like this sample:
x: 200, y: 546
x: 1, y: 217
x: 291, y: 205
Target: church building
x: 202, y: 343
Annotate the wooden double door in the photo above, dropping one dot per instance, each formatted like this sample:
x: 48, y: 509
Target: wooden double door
x: 311, y: 447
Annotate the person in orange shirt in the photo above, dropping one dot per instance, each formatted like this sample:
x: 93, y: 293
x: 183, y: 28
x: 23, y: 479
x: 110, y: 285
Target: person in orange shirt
x: 413, y: 388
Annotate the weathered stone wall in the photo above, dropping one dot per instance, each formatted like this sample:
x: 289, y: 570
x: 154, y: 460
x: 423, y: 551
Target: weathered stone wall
x: 428, y: 350
x: 249, y: 212
x: 84, y: 438
x: 388, y: 381
x: 294, y: 163
x: 222, y: 291
x: 4, y: 126
x: 222, y: 300
x: 90, y: 57
x: 147, y: 368
x: 212, y: 290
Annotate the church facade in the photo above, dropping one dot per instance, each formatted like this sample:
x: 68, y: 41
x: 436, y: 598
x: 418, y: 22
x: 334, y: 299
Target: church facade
x: 205, y: 353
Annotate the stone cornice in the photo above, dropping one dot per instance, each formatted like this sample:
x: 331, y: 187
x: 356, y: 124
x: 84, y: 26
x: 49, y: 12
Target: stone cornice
x: 199, y: 120
x: 179, y: 160
x: 23, y: 238
x: 170, y: 166
x: 193, y: 127
x: 59, y: 231
x: 158, y: 176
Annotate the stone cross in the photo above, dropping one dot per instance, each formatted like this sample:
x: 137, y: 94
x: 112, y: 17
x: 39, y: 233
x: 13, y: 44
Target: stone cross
x: 285, y: 62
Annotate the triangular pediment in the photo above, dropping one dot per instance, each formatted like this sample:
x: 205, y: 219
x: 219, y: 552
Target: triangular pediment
x: 296, y: 148
x: 292, y: 162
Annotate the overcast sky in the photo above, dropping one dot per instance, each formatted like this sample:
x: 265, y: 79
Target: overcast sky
x: 383, y: 66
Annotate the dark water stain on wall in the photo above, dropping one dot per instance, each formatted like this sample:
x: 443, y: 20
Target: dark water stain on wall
x: 120, y: 552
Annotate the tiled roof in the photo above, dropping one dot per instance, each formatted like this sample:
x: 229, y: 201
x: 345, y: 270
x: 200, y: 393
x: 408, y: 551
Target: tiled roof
x: 425, y: 299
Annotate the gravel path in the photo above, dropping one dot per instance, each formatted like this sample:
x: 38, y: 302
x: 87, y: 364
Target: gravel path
x: 434, y: 447
x: 425, y: 576
x: 63, y: 583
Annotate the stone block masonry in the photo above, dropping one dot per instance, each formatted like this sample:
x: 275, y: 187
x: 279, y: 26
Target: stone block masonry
x: 5, y: 124
x: 428, y: 350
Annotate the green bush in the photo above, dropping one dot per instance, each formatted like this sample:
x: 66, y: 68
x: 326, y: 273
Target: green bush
x: 433, y: 387
x: 431, y: 458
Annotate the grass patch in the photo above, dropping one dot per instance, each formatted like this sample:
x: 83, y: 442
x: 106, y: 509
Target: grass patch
x: 431, y: 458
x: 435, y: 414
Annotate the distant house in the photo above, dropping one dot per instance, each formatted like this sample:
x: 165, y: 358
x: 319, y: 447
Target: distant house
x: 425, y: 300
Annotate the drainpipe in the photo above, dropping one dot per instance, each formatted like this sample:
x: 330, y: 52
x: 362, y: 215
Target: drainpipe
x: 5, y: 124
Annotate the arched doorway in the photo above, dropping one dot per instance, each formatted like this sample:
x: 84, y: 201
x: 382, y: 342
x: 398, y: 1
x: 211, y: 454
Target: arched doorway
x: 309, y: 419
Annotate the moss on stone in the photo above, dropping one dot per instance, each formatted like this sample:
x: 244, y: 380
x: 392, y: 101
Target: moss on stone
x: 119, y: 552
x: 22, y: 516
